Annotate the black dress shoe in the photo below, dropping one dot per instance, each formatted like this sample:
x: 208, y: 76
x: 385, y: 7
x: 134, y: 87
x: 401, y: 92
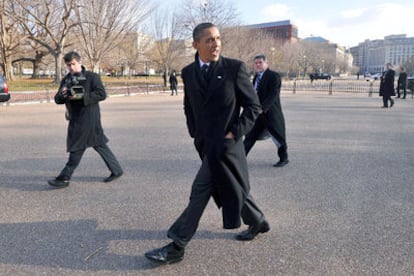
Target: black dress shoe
x: 169, y: 254
x: 112, y: 177
x: 392, y: 103
x: 281, y: 163
x: 253, y: 231
x: 59, y: 182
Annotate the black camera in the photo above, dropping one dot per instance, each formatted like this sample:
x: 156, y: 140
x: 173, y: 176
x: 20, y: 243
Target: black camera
x: 75, y: 85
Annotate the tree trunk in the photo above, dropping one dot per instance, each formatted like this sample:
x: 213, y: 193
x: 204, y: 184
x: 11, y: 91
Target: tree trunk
x: 9, y: 75
x: 58, y: 67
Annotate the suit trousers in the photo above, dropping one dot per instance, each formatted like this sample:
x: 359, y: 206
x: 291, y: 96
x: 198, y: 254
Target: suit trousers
x: 403, y: 88
x: 257, y: 130
x: 385, y: 100
x: 186, y: 225
x: 103, y: 150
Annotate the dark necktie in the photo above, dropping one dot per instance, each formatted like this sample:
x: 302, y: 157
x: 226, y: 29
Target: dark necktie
x: 204, y: 70
x: 258, y: 78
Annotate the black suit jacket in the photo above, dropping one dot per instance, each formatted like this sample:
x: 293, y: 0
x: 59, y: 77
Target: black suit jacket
x: 269, y: 96
x: 402, y: 80
x: 227, y: 102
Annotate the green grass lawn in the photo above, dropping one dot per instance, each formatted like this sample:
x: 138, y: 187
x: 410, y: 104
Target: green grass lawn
x: 27, y: 84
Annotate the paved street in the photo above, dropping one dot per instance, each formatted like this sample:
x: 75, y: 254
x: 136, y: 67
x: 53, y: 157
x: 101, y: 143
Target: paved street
x: 343, y: 206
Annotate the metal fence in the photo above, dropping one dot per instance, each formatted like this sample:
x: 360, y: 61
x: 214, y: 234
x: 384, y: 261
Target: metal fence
x: 47, y: 95
x: 295, y: 86
x: 330, y: 86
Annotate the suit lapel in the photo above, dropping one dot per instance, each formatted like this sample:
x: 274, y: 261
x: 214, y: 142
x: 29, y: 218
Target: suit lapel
x: 216, y: 79
x: 216, y: 76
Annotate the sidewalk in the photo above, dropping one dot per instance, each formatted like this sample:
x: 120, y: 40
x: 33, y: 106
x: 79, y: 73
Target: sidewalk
x: 343, y: 206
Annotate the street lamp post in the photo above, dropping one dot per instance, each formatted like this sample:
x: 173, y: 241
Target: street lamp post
x: 204, y: 4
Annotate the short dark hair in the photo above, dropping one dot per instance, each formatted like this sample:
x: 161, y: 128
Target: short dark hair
x: 260, y: 56
x: 199, y: 29
x: 71, y: 55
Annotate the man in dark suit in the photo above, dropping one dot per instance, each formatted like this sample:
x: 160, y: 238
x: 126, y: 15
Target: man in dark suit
x: 267, y: 84
x: 402, y: 83
x: 213, y: 100
x: 387, y: 86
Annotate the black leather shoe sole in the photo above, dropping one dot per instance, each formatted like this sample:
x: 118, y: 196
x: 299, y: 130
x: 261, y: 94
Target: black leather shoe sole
x: 58, y: 183
x: 170, y: 261
x: 168, y: 254
x: 253, y: 231
x: 281, y: 163
x: 112, y: 177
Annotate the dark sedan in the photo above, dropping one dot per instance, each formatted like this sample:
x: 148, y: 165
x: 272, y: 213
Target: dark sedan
x: 4, y: 90
x: 319, y: 76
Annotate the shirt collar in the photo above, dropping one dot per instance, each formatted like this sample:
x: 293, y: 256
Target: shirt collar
x: 201, y: 63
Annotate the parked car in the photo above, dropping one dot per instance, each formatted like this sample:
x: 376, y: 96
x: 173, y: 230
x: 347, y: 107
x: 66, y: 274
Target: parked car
x: 321, y: 76
x: 4, y: 90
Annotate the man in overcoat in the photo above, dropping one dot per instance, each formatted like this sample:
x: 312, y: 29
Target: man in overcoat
x: 81, y: 91
x: 173, y: 83
x: 220, y: 107
x: 387, y: 88
x: 267, y: 84
x: 402, y: 83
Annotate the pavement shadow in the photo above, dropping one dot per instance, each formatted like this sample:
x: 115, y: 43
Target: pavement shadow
x: 78, y: 244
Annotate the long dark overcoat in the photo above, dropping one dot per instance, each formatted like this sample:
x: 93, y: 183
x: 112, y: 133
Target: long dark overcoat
x: 85, y: 128
x: 212, y: 109
x: 173, y: 82
x: 387, y: 83
x: 269, y: 95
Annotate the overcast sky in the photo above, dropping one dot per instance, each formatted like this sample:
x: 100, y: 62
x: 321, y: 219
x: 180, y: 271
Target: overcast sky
x: 346, y: 22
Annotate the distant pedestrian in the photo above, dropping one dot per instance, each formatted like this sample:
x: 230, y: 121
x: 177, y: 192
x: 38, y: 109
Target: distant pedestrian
x: 173, y: 83
x: 164, y: 78
x: 387, y: 89
x: 402, y: 83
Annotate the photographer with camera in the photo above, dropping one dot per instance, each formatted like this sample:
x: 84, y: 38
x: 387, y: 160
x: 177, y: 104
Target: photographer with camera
x: 81, y: 91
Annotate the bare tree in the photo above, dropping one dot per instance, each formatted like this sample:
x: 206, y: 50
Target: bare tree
x: 48, y: 23
x: 245, y: 51
x: 291, y: 60
x: 167, y: 48
x: 129, y: 50
x: 31, y: 52
x: 219, y: 12
x: 10, y: 37
x: 104, y: 24
x: 409, y: 66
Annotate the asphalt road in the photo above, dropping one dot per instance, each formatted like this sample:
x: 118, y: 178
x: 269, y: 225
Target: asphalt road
x: 343, y: 205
